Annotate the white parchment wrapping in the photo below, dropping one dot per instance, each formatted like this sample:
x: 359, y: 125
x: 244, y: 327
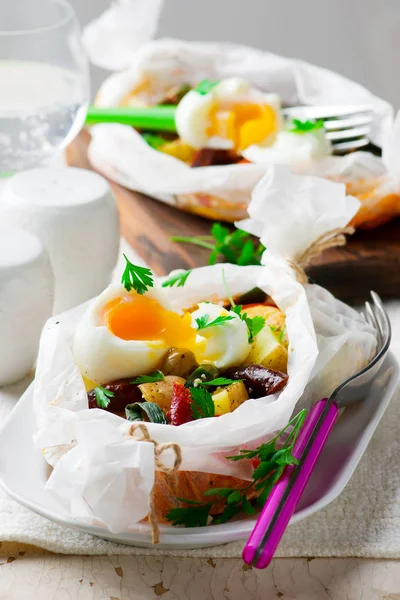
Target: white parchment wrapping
x: 121, y: 153
x: 101, y: 475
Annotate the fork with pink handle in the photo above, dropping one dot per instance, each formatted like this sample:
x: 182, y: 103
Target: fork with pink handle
x: 281, y: 504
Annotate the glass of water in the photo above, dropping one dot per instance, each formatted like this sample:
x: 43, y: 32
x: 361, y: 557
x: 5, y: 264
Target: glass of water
x: 44, y: 81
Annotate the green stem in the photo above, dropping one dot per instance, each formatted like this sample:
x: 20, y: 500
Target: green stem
x: 194, y: 241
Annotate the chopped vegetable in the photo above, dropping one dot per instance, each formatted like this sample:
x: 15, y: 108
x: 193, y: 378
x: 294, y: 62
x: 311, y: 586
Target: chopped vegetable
x: 272, y: 459
x: 268, y: 351
x: 120, y: 393
x: 145, y: 411
x: 236, y: 247
x: 217, y: 382
x: 179, y: 279
x: 151, y: 378
x: 208, y: 157
x: 273, y: 315
x: 180, y: 411
x: 205, y: 372
x: 161, y: 392
x: 202, y: 405
x: 176, y: 93
x: 230, y: 398
x: 205, y: 86
x: 154, y: 140
x: 136, y: 277
x: 298, y: 126
x: 254, y: 296
x: 260, y: 380
x: 179, y: 361
x: 222, y: 404
x: 178, y: 149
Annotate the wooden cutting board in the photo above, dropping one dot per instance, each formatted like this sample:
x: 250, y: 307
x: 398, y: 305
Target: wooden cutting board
x: 370, y: 260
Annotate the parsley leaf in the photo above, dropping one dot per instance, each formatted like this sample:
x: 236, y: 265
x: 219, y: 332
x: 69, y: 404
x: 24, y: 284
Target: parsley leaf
x: 193, y: 516
x: 254, y: 324
x: 136, y: 277
x: 237, y: 247
x: 202, y: 404
x: 205, y: 86
x: 299, y: 126
x: 151, y: 378
x: 282, y: 333
x: 204, y: 321
x: 103, y: 396
x: 154, y: 140
x: 219, y: 381
x: 179, y: 279
x: 273, y: 461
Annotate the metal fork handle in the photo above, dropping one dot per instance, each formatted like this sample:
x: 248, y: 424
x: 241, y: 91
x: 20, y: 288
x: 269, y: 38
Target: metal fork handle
x: 260, y: 550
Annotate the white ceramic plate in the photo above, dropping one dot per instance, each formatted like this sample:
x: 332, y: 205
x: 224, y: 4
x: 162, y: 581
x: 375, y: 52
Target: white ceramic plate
x: 23, y: 471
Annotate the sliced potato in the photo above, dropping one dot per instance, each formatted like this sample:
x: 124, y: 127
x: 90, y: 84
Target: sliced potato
x: 268, y: 350
x: 221, y: 402
x: 160, y: 392
x: 178, y: 149
x: 229, y: 398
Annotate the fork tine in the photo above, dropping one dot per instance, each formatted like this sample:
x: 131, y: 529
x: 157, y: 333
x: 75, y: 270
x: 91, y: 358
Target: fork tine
x: 372, y: 320
x: 343, y: 147
x: 348, y: 133
x: 385, y: 321
x: 327, y: 112
x: 348, y: 123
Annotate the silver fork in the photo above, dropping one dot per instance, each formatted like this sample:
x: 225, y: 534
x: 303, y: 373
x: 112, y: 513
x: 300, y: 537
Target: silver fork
x: 348, y: 127
x: 284, y: 497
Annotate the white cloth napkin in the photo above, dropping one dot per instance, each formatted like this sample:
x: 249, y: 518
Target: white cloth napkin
x: 363, y: 521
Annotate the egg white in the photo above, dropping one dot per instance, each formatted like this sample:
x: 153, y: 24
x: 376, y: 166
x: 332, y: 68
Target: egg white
x: 227, y: 344
x: 192, y: 113
x: 291, y: 148
x: 101, y: 356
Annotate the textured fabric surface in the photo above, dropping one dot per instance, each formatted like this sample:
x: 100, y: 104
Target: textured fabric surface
x: 363, y: 521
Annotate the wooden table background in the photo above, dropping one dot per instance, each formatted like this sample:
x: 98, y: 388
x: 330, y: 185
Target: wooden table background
x: 370, y: 260
x: 30, y: 573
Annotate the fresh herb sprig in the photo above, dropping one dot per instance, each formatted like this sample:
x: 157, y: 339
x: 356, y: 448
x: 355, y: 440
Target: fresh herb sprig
x: 205, y: 86
x: 154, y: 140
x: 178, y: 280
x: 135, y: 277
x: 103, y: 396
x: 201, y: 402
x: 254, y: 324
x: 272, y: 458
x: 236, y: 247
x: 204, y: 321
x: 151, y: 378
x: 298, y: 126
x: 219, y: 381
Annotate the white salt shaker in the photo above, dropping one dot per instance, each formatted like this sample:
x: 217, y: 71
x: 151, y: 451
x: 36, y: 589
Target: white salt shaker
x: 74, y: 214
x: 26, y: 301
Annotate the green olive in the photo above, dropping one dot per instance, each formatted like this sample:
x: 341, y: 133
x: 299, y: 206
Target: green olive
x: 179, y: 361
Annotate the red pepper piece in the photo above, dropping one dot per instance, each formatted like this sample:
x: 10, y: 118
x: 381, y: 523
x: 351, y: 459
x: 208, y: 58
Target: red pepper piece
x: 180, y: 411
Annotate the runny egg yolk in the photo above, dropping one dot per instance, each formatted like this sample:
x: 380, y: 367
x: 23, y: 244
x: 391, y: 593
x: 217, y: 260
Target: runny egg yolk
x: 243, y: 124
x: 142, y: 318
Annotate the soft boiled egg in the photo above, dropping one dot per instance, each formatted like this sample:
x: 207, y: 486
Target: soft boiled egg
x: 291, y: 148
x: 227, y: 343
x: 231, y: 115
x: 124, y: 334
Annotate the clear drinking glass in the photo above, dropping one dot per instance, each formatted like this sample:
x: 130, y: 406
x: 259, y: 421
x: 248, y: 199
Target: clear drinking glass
x: 44, y: 81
